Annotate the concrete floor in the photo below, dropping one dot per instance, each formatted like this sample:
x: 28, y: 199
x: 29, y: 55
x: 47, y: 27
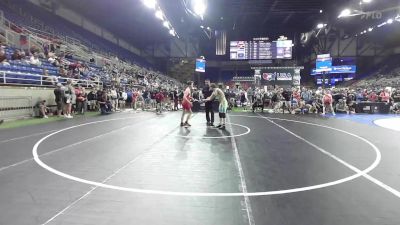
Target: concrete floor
x: 148, y: 170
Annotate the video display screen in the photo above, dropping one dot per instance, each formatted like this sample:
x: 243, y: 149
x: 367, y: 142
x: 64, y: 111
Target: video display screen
x: 200, y: 65
x: 260, y: 50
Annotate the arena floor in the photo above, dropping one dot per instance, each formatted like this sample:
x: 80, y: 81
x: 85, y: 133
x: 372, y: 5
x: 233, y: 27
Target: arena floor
x: 140, y: 168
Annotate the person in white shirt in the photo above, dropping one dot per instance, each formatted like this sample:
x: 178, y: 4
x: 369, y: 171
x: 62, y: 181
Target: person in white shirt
x: 34, y: 60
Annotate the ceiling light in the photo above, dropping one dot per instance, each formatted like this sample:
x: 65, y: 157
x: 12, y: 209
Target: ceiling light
x: 320, y: 26
x: 172, y: 32
x: 345, y: 13
x: 366, y: 1
x: 159, y: 15
x: 199, y: 7
x: 202, y: 27
x: 383, y: 24
x: 390, y: 21
x: 208, y: 28
x: 150, y: 3
x: 370, y: 29
x: 321, y: 11
x: 166, y: 24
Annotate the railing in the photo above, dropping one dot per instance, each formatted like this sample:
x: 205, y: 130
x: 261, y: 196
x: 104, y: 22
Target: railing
x: 15, y: 107
x: 25, y: 79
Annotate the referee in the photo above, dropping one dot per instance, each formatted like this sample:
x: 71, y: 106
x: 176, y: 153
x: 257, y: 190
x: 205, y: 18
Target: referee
x: 207, y: 92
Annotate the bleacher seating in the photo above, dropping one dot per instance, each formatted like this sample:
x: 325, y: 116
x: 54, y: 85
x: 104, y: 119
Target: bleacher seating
x: 62, y: 27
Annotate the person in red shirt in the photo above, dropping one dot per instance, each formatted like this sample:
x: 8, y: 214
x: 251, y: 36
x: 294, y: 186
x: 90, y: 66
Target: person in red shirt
x: 372, y: 97
x: 385, y: 96
x: 159, y: 100
x: 187, y: 105
x: 327, y: 101
x: 134, y: 99
x: 296, y: 95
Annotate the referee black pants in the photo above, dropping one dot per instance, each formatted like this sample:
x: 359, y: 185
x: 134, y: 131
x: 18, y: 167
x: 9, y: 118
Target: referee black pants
x: 209, y: 110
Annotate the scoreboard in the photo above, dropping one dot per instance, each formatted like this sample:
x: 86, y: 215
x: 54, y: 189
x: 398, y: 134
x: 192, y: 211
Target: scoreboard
x: 260, y: 50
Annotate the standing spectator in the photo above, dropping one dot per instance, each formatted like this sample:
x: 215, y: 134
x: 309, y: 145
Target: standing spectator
x: 372, y: 97
x: 114, y: 99
x: 327, y: 101
x: 69, y: 94
x: 92, y: 100
x: 385, y: 96
x: 287, y: 103
x: 140, y: 101
x: 250, y: 96
x: 176, y: 100
x: 123, y: 96
x: 243, y: 99
x: 59, y: 95
x: 159, y: 100
x: 81, y: 98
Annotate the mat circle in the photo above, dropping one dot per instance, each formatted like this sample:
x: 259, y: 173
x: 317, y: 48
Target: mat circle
x: 209, y: 194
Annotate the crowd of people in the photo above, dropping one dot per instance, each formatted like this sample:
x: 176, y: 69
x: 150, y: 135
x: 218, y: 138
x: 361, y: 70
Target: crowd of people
x: 304, y: 100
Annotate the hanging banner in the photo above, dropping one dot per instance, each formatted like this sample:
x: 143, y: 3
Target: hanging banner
x: 278, y: 76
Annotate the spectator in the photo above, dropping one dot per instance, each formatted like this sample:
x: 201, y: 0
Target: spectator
x: 327, y: 103
x: 385, y: 96
x: 105, y: 104
x: 43, y: 110
x: 58, y: 94
x: 81, y: 100
x: 3, y: 58
x: 341, y: 106
x: 16, y: 55
x: 372, y: 97
x: 49, y: 79
x: 34, y: 60
x: 123, y: 96
x: 114, y: 98
x: 69, y: 95
x: 159, y: 101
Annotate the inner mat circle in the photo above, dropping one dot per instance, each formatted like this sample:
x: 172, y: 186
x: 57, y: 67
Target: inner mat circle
x: 221, y: 133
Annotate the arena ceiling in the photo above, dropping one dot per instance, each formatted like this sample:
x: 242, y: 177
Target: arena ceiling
x: 243, y: 19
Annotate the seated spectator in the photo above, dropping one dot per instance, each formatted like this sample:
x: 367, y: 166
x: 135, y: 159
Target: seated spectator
x: 43, y: 110
x: 62, y: 72
x: 34, y: 60
x: 105, y: 104
x: 49, y: 79
x: 16, y: 55
x: 341, y: 106
x: 3, y: 58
